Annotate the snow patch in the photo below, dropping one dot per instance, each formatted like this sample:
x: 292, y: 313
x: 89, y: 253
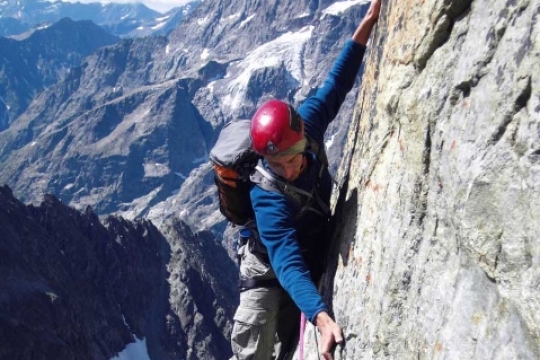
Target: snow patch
x: 200, y: 160
x: 248, y: 19
x: 164, y: 18
x: 134, y: 351
x: 205, y: 54
x: 340, y: 6
x: 210, y: 86
x: 286, y: 49
x: 233, y: 16
x: 167, y: 49
x: 155, y: 169
x: 43, y: 27
x: 158, y: 26
x: 138, y: 206
x: 203, y: 21
x: 125, y: 322
x: 328, y: 143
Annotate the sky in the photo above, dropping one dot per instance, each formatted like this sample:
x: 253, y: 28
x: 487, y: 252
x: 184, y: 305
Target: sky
x: 159, y: 5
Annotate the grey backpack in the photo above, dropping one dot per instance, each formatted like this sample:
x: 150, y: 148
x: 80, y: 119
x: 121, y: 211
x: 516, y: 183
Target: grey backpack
x: 236, y: 166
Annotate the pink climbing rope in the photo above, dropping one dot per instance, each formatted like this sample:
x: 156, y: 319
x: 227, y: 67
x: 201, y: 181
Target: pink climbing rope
x: 301, y: 340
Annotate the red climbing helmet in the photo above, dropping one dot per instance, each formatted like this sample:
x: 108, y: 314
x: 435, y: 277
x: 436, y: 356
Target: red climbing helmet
x: 275, y: 127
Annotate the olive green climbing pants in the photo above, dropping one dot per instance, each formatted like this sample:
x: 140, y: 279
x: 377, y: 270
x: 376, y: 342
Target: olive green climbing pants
x: 267, y: 321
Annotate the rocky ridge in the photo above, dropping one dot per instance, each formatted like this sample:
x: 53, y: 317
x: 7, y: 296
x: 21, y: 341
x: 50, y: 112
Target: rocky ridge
x: 73, y: 287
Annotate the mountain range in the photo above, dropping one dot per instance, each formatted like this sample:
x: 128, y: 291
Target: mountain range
x: 32, y: 62
x: 129, y: 130
x: 126, y: 20
x: 75, y: 287
x: 437, y: 163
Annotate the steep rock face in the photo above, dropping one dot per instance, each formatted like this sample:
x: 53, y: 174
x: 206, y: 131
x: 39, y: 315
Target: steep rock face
x: 74, y: 288
x: 440, y: 202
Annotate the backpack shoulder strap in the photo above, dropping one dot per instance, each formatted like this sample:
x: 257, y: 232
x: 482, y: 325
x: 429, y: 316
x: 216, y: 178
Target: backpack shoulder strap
x: 264, y: 179
x: 317, y: 149
x: 269, y: 182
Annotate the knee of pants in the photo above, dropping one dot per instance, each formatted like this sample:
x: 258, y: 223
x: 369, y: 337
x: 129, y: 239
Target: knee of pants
x: 255, y: 323
x: 251, y: 334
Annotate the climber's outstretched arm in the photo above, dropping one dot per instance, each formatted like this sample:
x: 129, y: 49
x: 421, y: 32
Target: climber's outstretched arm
x: 330, y: 331
x: 363, y: 31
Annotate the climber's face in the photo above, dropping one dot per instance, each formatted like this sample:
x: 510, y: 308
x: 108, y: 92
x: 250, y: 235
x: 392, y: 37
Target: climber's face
x: 288, y: 167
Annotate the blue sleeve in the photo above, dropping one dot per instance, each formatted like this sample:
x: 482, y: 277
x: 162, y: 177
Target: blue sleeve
x: 320, y: 109
x: 274, y: 221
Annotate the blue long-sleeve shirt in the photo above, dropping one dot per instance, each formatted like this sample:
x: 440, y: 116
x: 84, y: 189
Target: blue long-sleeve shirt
x: 279, y: 230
